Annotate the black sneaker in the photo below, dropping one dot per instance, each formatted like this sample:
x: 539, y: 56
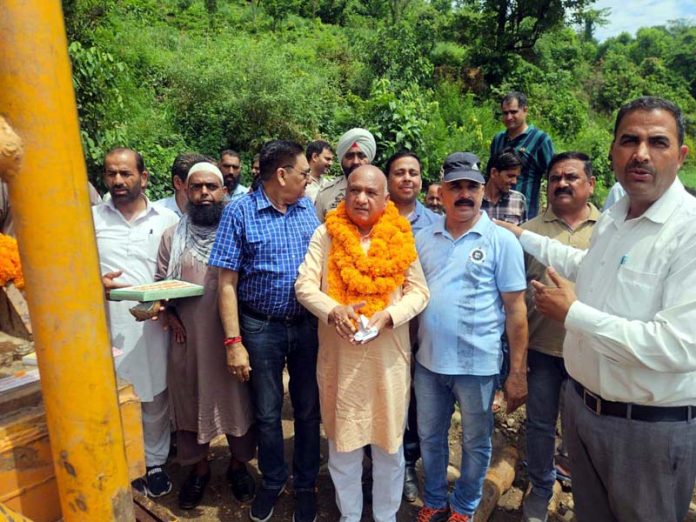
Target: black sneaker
x: 305, y: 506
x: 243, y: 485
x: 262, y: 508
x: 191, y: 492
x: 140, y: 485
x: 158, y: 483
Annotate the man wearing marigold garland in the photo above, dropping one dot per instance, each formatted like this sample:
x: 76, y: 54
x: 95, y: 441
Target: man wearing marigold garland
x: 363, y: 261
x: 477, y: 279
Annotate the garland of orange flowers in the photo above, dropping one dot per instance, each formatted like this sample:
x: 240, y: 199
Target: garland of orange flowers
x: 356, y: 276
x: 10, y: 265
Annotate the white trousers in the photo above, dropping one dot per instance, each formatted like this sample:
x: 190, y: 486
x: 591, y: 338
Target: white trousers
x: 156, y: 429
x: 387, y: 486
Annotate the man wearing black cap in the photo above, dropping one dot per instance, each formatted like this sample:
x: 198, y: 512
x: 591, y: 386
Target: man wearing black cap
x: 477, y: 281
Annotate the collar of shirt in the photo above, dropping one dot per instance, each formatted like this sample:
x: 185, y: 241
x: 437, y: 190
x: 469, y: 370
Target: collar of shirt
x: 550, y: 215
x: 504, y: 198
x: 421, y: 216
x: 659, y: 212
x: 529, y: 129
x: 149, y: 208
x: 263, y: 202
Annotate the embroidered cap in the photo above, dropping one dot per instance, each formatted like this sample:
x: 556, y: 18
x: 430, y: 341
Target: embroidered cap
x: 462, y: 165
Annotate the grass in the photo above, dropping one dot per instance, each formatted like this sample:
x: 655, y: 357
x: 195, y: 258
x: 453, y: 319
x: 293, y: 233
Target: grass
x: 687, y: 175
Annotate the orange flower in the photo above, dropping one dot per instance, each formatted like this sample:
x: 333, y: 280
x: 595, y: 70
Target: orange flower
x: 10, y: 265
x: 356, y: 276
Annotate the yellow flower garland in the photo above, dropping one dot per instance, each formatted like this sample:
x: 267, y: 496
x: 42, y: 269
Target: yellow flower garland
x: 10, y: 265
x: 355, y: 276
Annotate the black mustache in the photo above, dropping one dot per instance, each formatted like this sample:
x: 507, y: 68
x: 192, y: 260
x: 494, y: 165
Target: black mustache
x: 638, y: 165
x: 562, y: 190
x: 464, y: 202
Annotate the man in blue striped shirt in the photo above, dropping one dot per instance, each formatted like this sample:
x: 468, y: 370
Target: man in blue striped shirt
x: 532, y: 144
x: 260, y: 244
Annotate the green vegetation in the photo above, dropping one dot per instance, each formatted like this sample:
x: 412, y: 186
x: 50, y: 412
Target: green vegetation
x: 170, y: 76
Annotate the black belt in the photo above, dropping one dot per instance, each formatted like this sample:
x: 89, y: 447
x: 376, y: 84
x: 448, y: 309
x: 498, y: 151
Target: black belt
x: 287, y: 319
x: 599, y: 406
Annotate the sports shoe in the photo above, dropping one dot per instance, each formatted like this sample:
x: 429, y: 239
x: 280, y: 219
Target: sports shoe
x: 410, y: 484
x: 140, y: 485
x: 458, y: 517
x: 535, y: 508
x: 305, y: 506
x: 158, y: 483
x: 192, y: 490
x: 243, y: 485
x: 428, y: 514
x: 262, y: 508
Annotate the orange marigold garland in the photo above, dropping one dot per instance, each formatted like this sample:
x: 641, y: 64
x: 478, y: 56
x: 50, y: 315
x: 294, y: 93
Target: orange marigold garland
x: 10, y: 265
x: 356, y: 276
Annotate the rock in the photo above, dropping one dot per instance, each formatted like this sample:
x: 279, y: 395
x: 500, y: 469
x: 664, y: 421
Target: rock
x: 457, y: 418
x: 498, y: 480
x: 452, y: 473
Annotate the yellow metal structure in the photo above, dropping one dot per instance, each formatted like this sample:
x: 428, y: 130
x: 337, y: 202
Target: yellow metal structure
x: 57, y: 246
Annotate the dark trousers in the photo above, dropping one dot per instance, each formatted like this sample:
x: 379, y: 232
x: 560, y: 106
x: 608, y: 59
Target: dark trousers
x: 544, y: 381
x: 270, y: 344
x: 628, y: 470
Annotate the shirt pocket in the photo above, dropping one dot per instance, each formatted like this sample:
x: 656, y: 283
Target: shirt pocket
x: 143, y: 244
x: 636, y: 294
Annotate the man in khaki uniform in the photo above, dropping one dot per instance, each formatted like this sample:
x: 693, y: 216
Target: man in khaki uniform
x: 355, y: 148
x: 570, y: 219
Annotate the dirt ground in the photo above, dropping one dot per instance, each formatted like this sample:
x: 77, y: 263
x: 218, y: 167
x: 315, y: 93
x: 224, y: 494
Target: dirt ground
x: 219, y: 504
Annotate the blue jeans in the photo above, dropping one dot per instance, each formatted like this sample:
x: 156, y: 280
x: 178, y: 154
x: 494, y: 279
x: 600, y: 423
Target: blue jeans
x: 436, y: 394
x: 544, y: 380
x: 269, y: 344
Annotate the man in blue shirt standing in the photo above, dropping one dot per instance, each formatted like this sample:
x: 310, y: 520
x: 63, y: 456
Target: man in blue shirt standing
x: 404, y: 183
x: 477, y: 281
x: 261, y: 242
x: 533, y: 144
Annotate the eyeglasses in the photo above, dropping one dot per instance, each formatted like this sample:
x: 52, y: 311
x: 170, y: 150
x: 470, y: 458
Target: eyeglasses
x: 304, y: 173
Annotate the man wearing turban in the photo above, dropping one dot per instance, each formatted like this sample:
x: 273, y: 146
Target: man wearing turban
x: 355, y: 148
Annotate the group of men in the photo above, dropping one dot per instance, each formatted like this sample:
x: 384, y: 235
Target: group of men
x: 387, y: 313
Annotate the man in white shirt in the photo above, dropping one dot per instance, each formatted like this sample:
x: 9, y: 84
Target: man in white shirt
x: 630, y: 346
x: 230, y: 165
x: 128, y: 230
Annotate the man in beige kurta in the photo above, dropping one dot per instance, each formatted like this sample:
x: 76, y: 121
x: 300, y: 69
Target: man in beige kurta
x: 363, y: 388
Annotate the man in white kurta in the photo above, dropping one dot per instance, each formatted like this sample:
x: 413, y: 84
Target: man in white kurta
x: 128, y: 230
x: 363, y: 388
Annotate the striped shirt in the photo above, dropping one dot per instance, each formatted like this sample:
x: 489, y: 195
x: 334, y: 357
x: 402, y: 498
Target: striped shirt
x: 536, y: 148
x: 266, y: 247
x: 511, y: 208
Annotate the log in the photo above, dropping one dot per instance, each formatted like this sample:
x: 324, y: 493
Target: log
x: 14, y: 313
x: 499, y: 478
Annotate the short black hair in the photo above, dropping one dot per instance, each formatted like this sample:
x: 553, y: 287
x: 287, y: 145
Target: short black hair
x: 573, y: 155
x: 230, y: 152
x: 276, y: 154
x: 139, y: 162
x: 316, y: 147
x: 399, y: 155
x: 515, y: 95
x: 652, y: 103
x: 183, y: 162
x: 506, y: 159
